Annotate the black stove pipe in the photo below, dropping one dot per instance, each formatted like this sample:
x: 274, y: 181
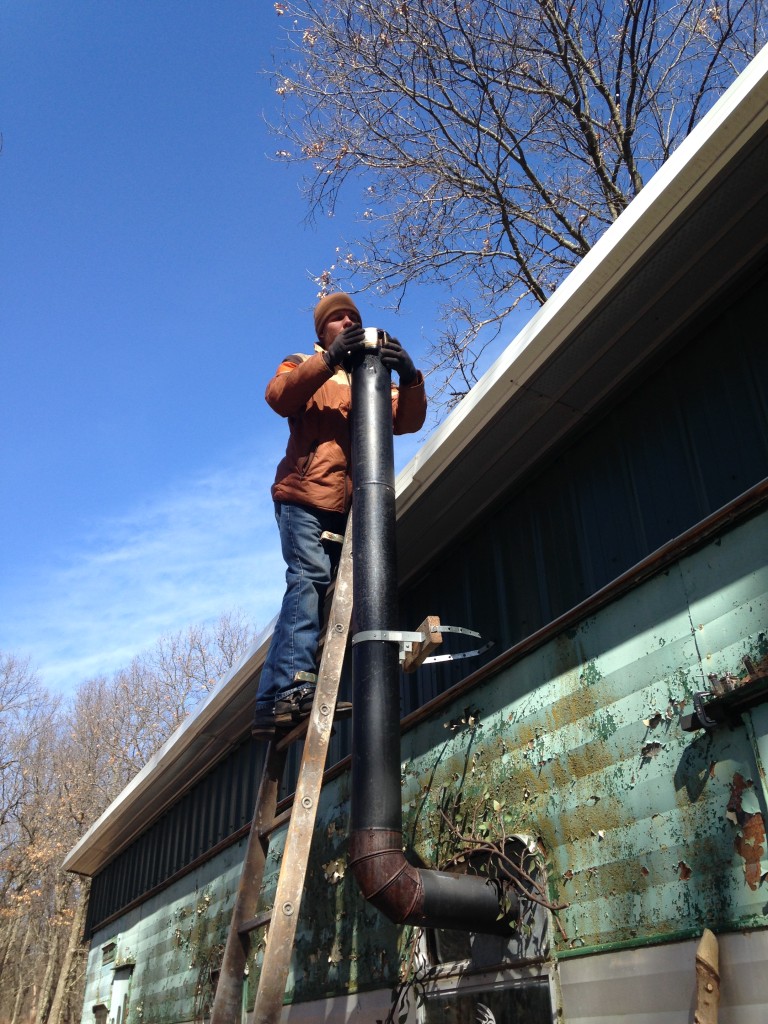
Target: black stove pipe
x: 404, y: 893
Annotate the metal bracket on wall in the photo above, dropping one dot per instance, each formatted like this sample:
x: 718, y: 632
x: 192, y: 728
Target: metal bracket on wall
x: 416, y: 646
x: 728, y: 697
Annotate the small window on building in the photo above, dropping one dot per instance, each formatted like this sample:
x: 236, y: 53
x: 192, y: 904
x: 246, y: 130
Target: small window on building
x: 118, y: 1001
x: 108, y: 953
x: 529, y: 1002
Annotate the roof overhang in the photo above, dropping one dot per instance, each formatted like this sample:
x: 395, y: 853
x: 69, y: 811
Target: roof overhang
x: 697, y: 226
x: 677, y: 248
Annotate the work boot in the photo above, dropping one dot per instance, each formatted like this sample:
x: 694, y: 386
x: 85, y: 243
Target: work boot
x: 263, y: 725
x: 287, y: 712
x: 294, y: 708
x: 291, y: 710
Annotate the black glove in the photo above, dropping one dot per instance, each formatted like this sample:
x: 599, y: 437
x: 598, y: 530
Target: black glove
x: 394, y: 357
x: 345, y: 345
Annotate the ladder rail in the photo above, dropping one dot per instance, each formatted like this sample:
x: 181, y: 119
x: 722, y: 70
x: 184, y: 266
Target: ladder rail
x: 281, y: 929
x: 227, y: 1004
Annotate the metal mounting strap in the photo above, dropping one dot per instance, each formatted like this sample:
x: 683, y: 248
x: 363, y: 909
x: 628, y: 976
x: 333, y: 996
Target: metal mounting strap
x: 409, y: 637
x: 334, y: 538
x: 460, y: 655
x: 388, y: 634
x: 405, y: 639
x: 705, y: 720
x: 457, y: 629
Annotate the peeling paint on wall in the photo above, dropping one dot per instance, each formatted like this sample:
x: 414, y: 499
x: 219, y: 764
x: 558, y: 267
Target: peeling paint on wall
x: 750, y: 840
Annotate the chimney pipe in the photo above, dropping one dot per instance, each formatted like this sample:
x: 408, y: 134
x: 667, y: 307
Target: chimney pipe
x: 404, y: 893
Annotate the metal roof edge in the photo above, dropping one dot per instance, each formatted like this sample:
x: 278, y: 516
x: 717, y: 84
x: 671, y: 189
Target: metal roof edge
x: 731, y: 123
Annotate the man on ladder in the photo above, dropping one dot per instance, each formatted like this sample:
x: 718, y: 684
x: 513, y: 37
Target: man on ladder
x: 312, y: 494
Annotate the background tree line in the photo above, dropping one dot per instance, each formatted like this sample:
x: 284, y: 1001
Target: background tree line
x: 62, y: 762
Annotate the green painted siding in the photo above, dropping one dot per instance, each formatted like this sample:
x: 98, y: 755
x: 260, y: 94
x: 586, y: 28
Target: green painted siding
x: 342, y: 943
x: 173, y: 940
x: 581, y: 743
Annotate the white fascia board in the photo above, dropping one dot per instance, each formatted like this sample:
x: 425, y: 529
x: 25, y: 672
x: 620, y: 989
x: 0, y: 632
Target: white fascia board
x: 736, y: 117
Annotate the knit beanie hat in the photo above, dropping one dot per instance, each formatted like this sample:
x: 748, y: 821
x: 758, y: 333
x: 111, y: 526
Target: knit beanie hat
x: 330, y: 304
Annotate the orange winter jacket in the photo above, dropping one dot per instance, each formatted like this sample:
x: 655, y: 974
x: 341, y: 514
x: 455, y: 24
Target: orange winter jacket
x: 316, y: 401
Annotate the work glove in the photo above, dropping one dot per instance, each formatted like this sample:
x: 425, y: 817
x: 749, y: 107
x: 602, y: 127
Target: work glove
x: 344, y: 346
x: 394, y: 357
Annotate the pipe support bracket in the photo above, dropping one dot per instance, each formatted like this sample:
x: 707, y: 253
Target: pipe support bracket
x: 407, y: 638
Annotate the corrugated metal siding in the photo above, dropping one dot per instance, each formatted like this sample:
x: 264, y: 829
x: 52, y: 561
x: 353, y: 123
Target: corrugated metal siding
x: 580, y: 741
x: 342, y: 943
x: 690, y: 439
x: 215, y: 808
x: 174, y: 941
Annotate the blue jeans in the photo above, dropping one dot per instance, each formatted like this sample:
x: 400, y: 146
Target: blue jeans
x: 310, y: 565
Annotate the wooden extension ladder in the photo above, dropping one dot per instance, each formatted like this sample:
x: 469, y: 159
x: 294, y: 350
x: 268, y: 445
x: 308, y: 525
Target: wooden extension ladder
x: 281, y: 921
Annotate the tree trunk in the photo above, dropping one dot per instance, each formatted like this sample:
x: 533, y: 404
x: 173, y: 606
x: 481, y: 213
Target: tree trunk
x: 17, y: 1004
x: 13, y: 931
x: 22, y: 962
x: 66, y: 974
x: 46, y: 988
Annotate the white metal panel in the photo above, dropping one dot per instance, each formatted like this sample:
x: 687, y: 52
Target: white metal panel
x: 657, y: 985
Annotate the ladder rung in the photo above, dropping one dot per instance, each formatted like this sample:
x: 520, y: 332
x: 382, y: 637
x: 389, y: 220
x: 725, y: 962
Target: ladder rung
x: 277, y: 821
x: 255, y: 922
x: 285, y: 739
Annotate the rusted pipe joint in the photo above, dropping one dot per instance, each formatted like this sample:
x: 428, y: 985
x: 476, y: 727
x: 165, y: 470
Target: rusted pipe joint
x: 385, y: 877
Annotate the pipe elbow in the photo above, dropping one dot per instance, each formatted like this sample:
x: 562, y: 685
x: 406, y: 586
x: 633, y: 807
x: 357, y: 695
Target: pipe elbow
x: 384, y: 876
x: 427, y: 898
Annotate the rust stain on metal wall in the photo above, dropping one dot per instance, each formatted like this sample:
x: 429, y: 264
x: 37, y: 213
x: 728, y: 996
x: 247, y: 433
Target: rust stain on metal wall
x: 750, y: 842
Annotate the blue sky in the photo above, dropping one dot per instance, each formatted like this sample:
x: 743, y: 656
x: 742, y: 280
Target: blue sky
x: 155, y: 265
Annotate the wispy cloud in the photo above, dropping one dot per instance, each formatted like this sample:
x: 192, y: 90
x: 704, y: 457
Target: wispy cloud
x: 207, y: 546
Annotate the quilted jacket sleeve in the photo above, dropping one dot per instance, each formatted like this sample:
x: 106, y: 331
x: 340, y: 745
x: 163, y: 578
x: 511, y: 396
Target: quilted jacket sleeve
x: 295, y: 382
x: 409, y: 406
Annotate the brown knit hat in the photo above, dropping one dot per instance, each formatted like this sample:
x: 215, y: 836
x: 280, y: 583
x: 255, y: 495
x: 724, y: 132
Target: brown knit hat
x: 333, y: 304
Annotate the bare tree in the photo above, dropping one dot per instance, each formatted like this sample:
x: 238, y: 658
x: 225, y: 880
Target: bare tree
x: 30, y: 905
x: 159, y: 688
x: 60, y: 768
x: 116, y: 724
x: 493, y: 142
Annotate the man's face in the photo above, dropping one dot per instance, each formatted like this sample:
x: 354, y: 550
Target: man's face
x: 336, y: 324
